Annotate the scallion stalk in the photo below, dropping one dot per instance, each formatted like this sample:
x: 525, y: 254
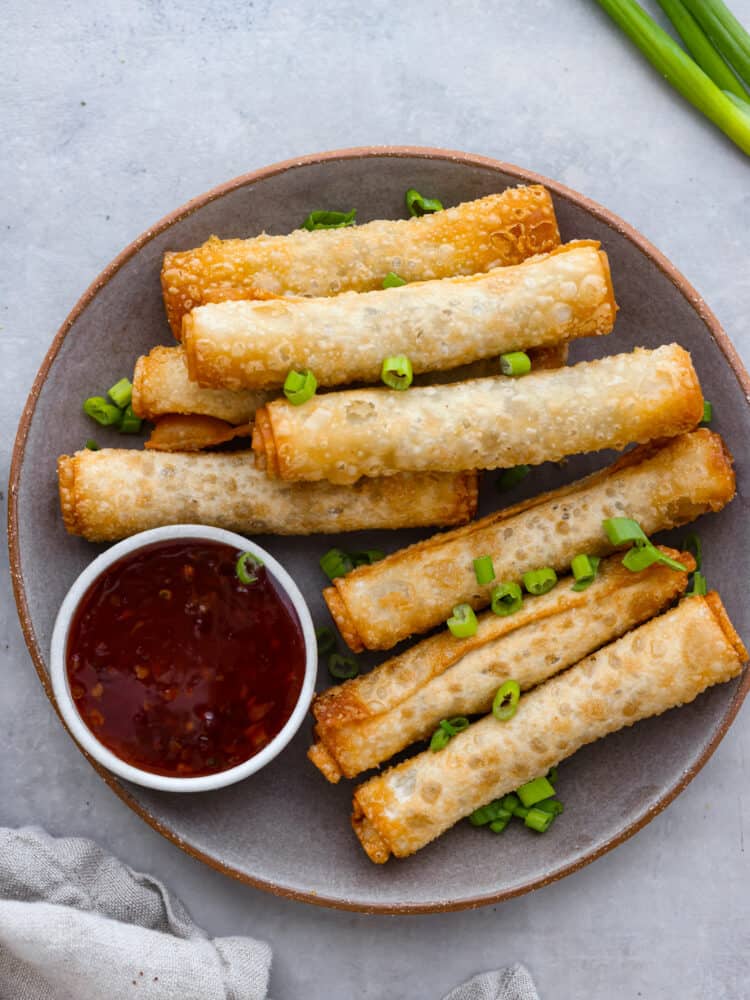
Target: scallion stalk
x: 725, y: 31
x: 700, y: 47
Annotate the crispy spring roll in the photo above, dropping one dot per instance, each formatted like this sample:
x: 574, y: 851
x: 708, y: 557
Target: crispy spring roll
x: 661, y: 486
x: 500, y: 229
x: 482, y: 424
x: 193, y: 432
x: 366, y: 721
x: 114, y: 493
x: 550, y: 299
x: 667, y: 662
x: 161, y: 385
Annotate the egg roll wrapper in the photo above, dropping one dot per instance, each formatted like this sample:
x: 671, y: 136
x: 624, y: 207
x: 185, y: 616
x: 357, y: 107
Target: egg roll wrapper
x: 550, y: 299
x: 365, y: 721
x: 667, y: 662
x: 114, y: 493
x: 193, y: 432
x: 161, y: 385
x: 499, y: 229
x: 485, y: 423
x: 662, y: 486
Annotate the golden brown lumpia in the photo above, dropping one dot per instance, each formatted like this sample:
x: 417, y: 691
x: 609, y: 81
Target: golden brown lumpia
x: 483, y: 424
x: 667, y: 662
x: 161, y: 385
x: 366, y: 721
x: 661, y: 486
x: 500, y: 229
x: 114, y: 493
x: 442, y: 324
x: 193, y: 432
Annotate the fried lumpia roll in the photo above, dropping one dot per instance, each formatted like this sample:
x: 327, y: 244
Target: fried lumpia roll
x: 366, y: 721
x: 193, y: 432
x: 483, y: 424
x: 114, y: 493
x: 494, y: 231
x: 667, y: 662
x: 661, y: 486
x: 161, y: 385
x: 550, y: 299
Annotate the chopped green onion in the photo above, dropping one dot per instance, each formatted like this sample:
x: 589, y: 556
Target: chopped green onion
x: 326, y: 640
x: 584, y: 570
x: 699, y: 586
x: 539, y: 581
x: 419, y: 205
x: 100, y: 410
x: 397, y: 372
x: 484, y: 570
x: 121, y: 393
x: 642, y: 556
x: 440, y: 739
x: 92, y: 445
x: 552, y: 776
x: 553, y: 806
x: 463, y: 622
x: 488, y: 814
x: 539, y: 820
x: 708, y: 412
x: 700, y: 48
x: 726, y: 32
x: 498, y: 825
x: 521, y: 812
x: 621, y: 530
x: 335, y: 563
x: 342, y: 667
x: 128, y: 422
x: 505, y: 702
x: 511, y: 802
x: 330, y: 220
x: 679, y: 69
x: 367, y: 557
x: 516, y: 363
x: 455, y: 725
x: 300, y: 386
x: 247, y: 566
x: 392, y: 280
x: 506, y: 598
x: 534, y: 791
x: 509, y: 478
x: 693, y: 544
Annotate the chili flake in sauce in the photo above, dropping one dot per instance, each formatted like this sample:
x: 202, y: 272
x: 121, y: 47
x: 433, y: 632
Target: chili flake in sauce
x: 178, y: 667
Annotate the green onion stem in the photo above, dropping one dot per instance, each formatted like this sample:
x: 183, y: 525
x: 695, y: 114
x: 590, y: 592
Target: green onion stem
x: 700, y: 48
x: 679, y: 69
x: 725, y: 31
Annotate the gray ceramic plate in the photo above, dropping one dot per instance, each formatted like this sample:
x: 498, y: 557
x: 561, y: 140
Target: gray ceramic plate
x: 285, y: 829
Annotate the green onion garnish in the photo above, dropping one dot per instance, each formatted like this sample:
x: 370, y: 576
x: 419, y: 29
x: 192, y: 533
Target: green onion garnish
x: 247, y: 568
x: 584, y: 570
x: 484, y: 570
x: 498, y: 825
x: 534, y: 791
x: 516, y: 363
x: 539, y: 820
x: 553, y: 806
x: 552, y: 775
x: 539, y: 581
x: 440, y: 740
x: 101, y: 411
x: 700, y: 48
x: 329, y: 220
x: 326, y: 640
x: 505, y: 702
x: 121, y: 393
x: 335, y: 563
x: 392, y: 280
x: 92, y: 445
x: 447, y: 729
x: 300, y: 386
x: 463, y: 622
x: 727, y: 34
x: 342, y: 667
x: 128, y: 422
x: 521, y: 812
x: 490, y: 813
x: 367, y: 557
x: 708, y: 412
x: 506, y: 599
x: 419, y: 205
x: 621, y: 530
x: 509, y: 478
x: 397, y: 372
x: 699, y: 587
x: 726, y: 110
x: 511, y: 802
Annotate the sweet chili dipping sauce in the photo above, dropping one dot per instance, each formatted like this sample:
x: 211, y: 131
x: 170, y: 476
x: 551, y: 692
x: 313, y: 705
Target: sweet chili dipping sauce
x: 177, y: 666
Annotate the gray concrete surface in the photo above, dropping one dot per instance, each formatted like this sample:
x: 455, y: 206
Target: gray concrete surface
x: 114, y: 113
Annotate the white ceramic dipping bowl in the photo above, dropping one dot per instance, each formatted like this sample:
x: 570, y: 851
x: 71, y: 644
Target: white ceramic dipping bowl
x: 59, y: 675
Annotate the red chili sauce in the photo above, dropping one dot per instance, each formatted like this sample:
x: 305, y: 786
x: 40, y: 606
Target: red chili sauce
x: 177, y: 666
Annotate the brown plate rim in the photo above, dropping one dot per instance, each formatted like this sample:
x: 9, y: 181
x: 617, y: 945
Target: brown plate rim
x: 365, y: 152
